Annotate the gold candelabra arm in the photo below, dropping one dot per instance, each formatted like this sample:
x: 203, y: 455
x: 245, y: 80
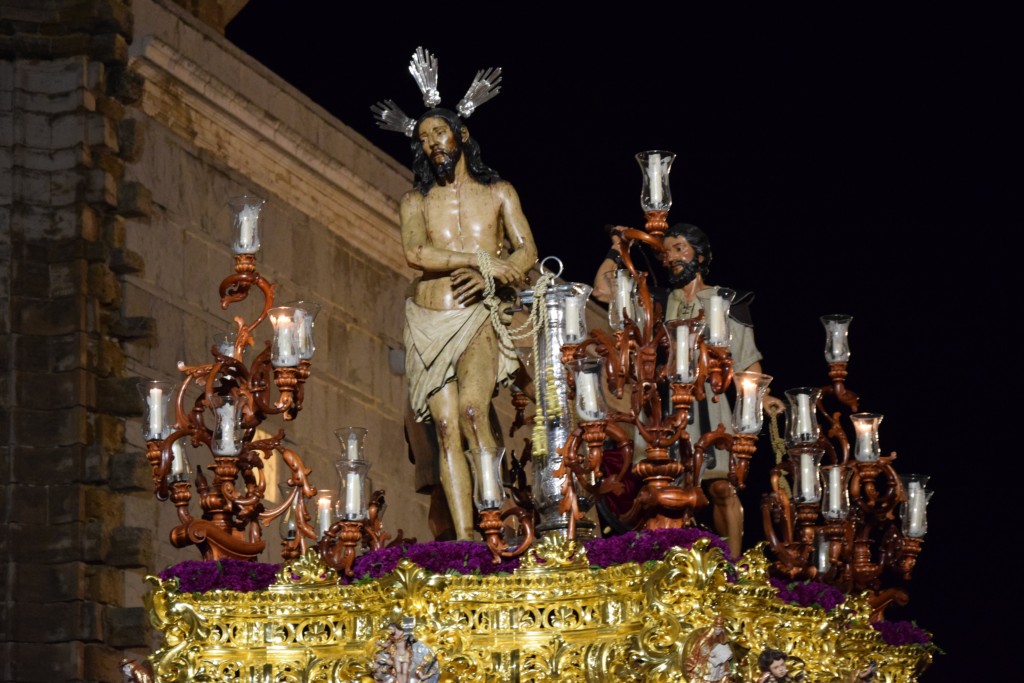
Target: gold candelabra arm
x: 570, y: 468
x: 656, y: 222
x: 718, y: 362
x: 837, y: 373
x: 777, y: 516
x: 337, y: 548
x: 235, y: 288
x: 519, y: 402
x: 374, y: 535
x: 492, y: 525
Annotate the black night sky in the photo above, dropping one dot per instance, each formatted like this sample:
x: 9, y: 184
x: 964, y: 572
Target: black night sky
x: 842, y: 161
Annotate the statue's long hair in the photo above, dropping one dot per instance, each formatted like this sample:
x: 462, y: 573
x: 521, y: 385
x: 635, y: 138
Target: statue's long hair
x: 423, y: 167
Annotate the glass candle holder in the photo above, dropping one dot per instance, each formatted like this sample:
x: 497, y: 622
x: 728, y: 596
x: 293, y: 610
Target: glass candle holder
x: 353, y: 489
x: 748, y: 414
x: 590, y: 403
x: 837, y: 327
x: 574, y: 312
x: 805, y: 459
x: 157, y: 396
x: 656, y: 194
x: 716, y: 303
x: 227, y: 434
x: 305, y: 319
x: 802, y: 415
x: 914, y: 510
x: 181, y: 468
x: 352, y: 441
x: 285, y: 351
x: 246, y: 214
x: 288, y: 528
x: 685, y: 358
x: 488, y: 491
x: 224, y: 343
x: 835, y: 499
x: 866, y: 425
x: 622, y: 305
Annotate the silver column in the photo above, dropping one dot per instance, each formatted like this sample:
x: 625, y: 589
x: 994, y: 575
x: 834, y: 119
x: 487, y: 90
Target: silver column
x: 555, y: 413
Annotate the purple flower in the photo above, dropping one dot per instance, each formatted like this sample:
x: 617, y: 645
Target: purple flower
x: 902, y: 633
x: 439, y: 557
x: 808, y: 593
x: 201, y: 576
x: 645, y: 546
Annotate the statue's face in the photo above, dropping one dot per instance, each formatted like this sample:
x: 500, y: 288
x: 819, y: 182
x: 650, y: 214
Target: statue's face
x: 438, y: 139
x: 441, y: 146
x: 778, y: 668
x: 681, y: 261
x: 676, y: 251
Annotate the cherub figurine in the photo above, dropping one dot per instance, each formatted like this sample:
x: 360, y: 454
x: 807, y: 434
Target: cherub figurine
x: 401, y: 658
x: 137, y: 672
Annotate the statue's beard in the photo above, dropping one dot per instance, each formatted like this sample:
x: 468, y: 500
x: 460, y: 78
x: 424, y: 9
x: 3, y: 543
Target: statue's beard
x: 685, y: 275
x: 444, y: 165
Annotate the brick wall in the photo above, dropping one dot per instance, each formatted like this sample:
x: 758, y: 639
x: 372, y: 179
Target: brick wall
x: 65, y: 391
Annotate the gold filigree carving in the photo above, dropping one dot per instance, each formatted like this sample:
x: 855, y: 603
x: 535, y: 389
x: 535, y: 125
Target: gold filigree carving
x: 561, y: 620
x: 554, y: 553
x: 307, y: 570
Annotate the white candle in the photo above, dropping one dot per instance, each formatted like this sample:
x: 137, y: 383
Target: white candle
x: 624, y: 294
x: 865, y: 448
x: 227, y: 346
x: 323, y: 516
x: 716, y: 320
x: 353, y: 494
x: 352, y: 447
x: 824, y: 564
x: 803, y: 416
x: 916, y: 506
x: 654, y: 178
x: 587, y: 386
x: 247, y: 226
x: 178, y: 467
x: 750, y: 413
x: 807, y: 477
x: 156, y: 413
x: 572, y: 318
x: 302, y: 336
x: 285, y: 349
x: 489, y: 489
x: 683, y: 352
x: 835, y: 482
x: 838, y: 342
x: 226, y: 420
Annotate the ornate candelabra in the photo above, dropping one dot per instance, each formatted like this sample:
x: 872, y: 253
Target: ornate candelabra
x: 665, y: 365
x: 234, y: 400
x: 841, y: 519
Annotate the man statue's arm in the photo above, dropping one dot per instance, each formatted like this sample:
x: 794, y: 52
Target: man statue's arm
x: 517, y: 230
x: 419, y: 253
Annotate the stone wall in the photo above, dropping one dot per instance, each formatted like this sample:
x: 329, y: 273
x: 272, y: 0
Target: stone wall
x: 66, y: 393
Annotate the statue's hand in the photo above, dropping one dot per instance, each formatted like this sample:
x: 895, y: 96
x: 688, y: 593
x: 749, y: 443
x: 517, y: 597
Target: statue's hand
x: 773, y: 405
x: 466, y: 284
x: 504, y: 272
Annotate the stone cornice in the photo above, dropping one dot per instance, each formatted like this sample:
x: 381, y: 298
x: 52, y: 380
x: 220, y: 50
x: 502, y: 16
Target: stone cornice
x: 217, y: 118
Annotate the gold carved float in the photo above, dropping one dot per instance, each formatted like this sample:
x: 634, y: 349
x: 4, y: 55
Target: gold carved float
x: 555, y: 619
